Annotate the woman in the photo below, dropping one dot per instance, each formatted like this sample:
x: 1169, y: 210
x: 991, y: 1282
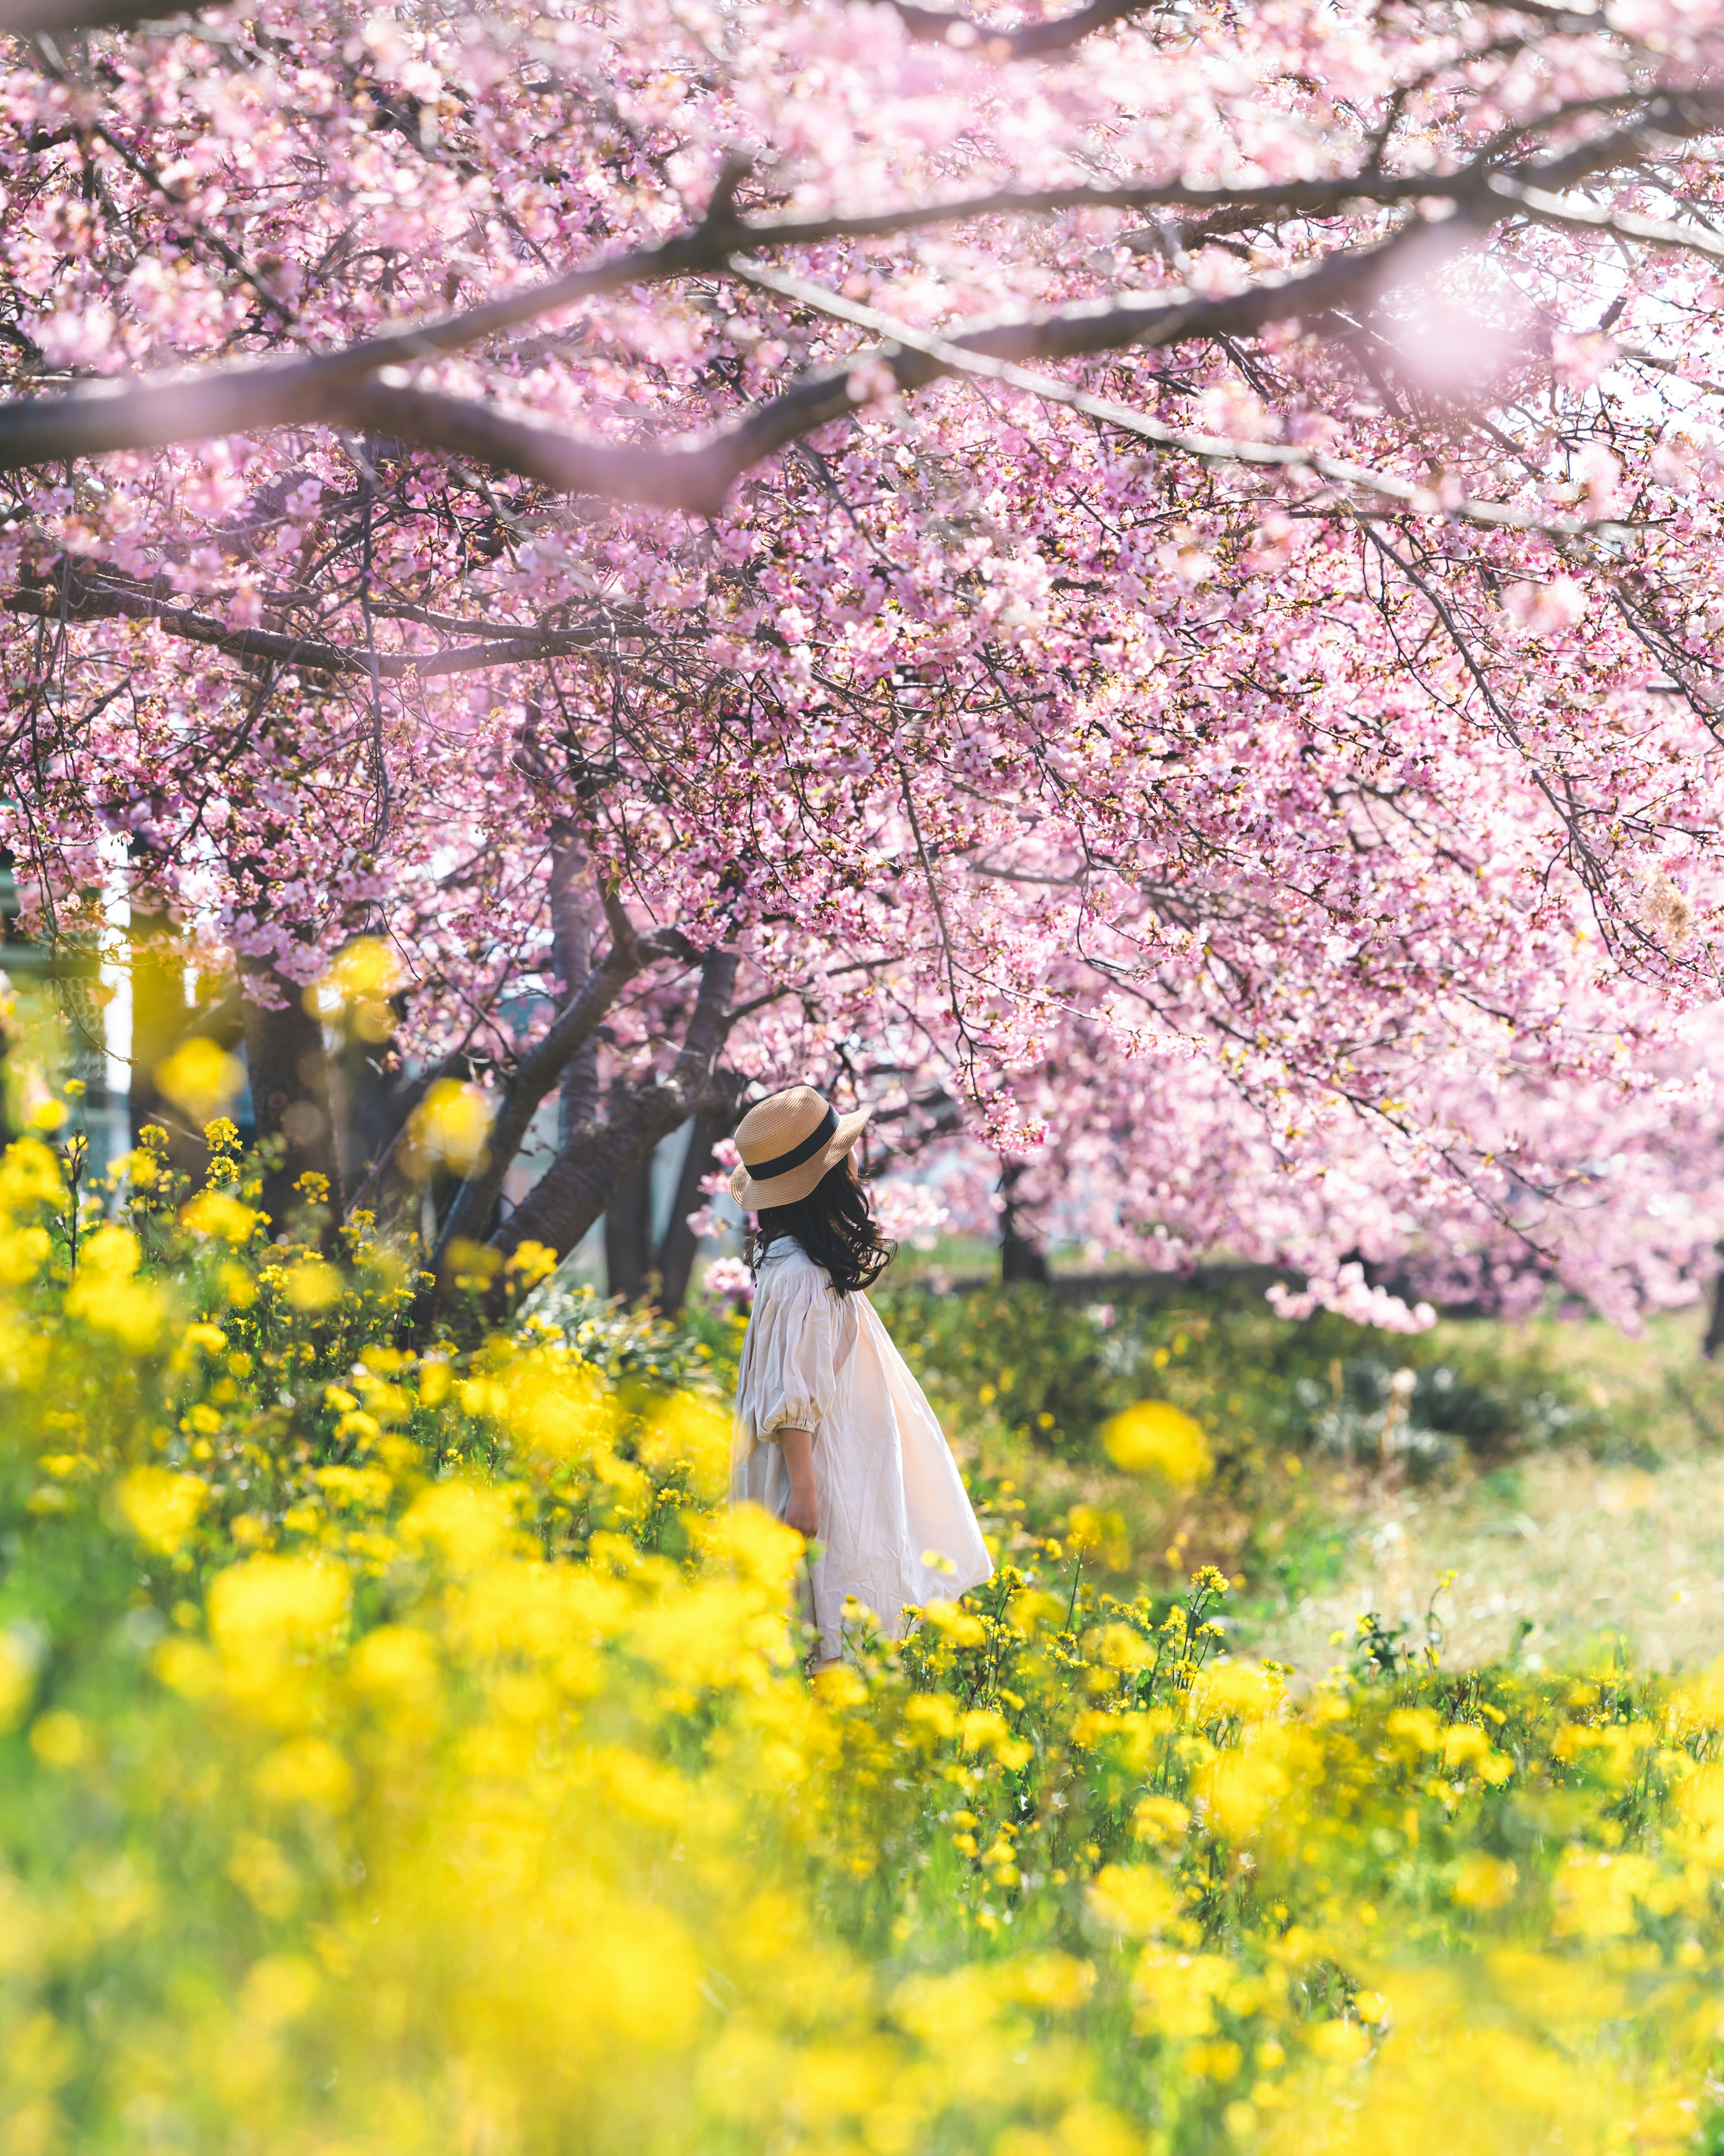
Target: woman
x: 833, y: 1435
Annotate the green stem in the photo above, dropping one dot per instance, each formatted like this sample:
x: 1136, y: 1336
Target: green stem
x: 1077, y: 1573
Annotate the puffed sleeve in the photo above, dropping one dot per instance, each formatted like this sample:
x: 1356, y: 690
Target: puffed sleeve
x: 786, y: 1379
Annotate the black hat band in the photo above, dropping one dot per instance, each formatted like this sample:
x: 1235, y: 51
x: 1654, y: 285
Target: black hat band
x: 764, y: 1171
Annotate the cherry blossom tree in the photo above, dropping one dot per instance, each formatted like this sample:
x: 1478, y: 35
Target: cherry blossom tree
x: 1140, y: 580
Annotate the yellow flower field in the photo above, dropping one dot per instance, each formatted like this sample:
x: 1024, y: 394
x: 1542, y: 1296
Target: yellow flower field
x: 405, y: 1751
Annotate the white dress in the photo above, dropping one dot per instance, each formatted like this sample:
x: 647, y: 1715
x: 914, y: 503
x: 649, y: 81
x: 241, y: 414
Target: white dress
x: 895, y: 1526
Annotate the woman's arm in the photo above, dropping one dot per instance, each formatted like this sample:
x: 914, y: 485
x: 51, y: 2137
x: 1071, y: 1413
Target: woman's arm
x: 802, y: 1512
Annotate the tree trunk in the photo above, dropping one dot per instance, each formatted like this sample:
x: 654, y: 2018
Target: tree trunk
x: 577, y: 1186
x: 1713, y: 1342
x: 574, y: 925
x: 1021, y: 1256
x: 364, y: 1108
x: 472, y: 1216
x: 290, y: 1091
x: 680, y: 1246
x: 628, y: 1234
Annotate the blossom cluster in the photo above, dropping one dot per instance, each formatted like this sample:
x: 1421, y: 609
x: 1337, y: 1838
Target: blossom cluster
x: 1320, y: 868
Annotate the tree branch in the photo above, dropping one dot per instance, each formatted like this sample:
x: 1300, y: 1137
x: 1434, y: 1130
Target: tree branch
x: 469, y: 1216
x: 572, y: 932
x: 26, y: 19
x: 1546, y: 208
x: 574, y: 1190
x: 698, y: 481
x: 116, y: 415
x: 1032, y: 41
x: 1039, y: 40
x: 1276, y: 456
x: 100, y: 595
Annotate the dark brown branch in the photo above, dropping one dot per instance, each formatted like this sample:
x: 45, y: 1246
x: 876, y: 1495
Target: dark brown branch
x: 679, y: 1245
x: 83, y: 595
x: 469, y: 1217
x: 1032, y: 41
x: 26, y: 19
x: 1208, y: 448
x: 574, y: 919
x: 573, y: 1191
x: 698, y: 481
x: 118, y: 415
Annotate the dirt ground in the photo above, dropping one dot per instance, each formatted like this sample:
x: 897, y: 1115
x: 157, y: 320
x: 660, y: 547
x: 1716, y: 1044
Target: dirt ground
x: 1555, y: 1561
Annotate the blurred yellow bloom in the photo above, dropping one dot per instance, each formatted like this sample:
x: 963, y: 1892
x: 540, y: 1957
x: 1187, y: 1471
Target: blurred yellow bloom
x: 556, y: 1405
x: 1416, y: 1729
x: 1121, y: 1647
x: 216, y: 1215
x: 1057, y: 1981
x: 23, y: 1252
x: 361, y: 978
x: 447, y: 1130
x: 263, y: 1874
x: 762, y: 1549
x: 1554, y: 1991
x: 1464, y: 1745
x: 467, y: 1526
x: 435, y: 1380
x: 368, y: 1486
x: 1339, y: 2042
x: 1596, y: 1892
x: 109, y: 1299
x: 984, y: 1729
x: 58, y: 1738
x: 160, y: 1506
x: 312, y: 1285
x: 949, y: 2008
x: 951, y: 1621
x: 29, y: 1175
x: 395, y: 1661
x: 279, y: 1988
x: 936, y: 1712
x: 18, y: 1678
x: 1156, y: 1438
x: 1137, y: 1899
x: 309, y: 1771
x: 690, y: 1435
x: 202, y: 1079
x: 1482, y: 1881
x: 1239, y: 1788
x: 1241, y: 1689
x: 1159, y: 1819
x: 1176, y: 1994
x: 268, y: 1607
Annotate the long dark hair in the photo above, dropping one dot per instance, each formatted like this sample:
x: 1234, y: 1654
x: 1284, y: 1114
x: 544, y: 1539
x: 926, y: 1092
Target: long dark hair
x: 834, y: 1225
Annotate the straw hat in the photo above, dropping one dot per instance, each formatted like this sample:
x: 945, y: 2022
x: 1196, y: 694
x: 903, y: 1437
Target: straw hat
x: 788, y: 1142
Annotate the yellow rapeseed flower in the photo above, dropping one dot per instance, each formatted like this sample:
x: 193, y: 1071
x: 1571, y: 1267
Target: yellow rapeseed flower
x: 1156, y: 1438
x: 161, y: 1506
